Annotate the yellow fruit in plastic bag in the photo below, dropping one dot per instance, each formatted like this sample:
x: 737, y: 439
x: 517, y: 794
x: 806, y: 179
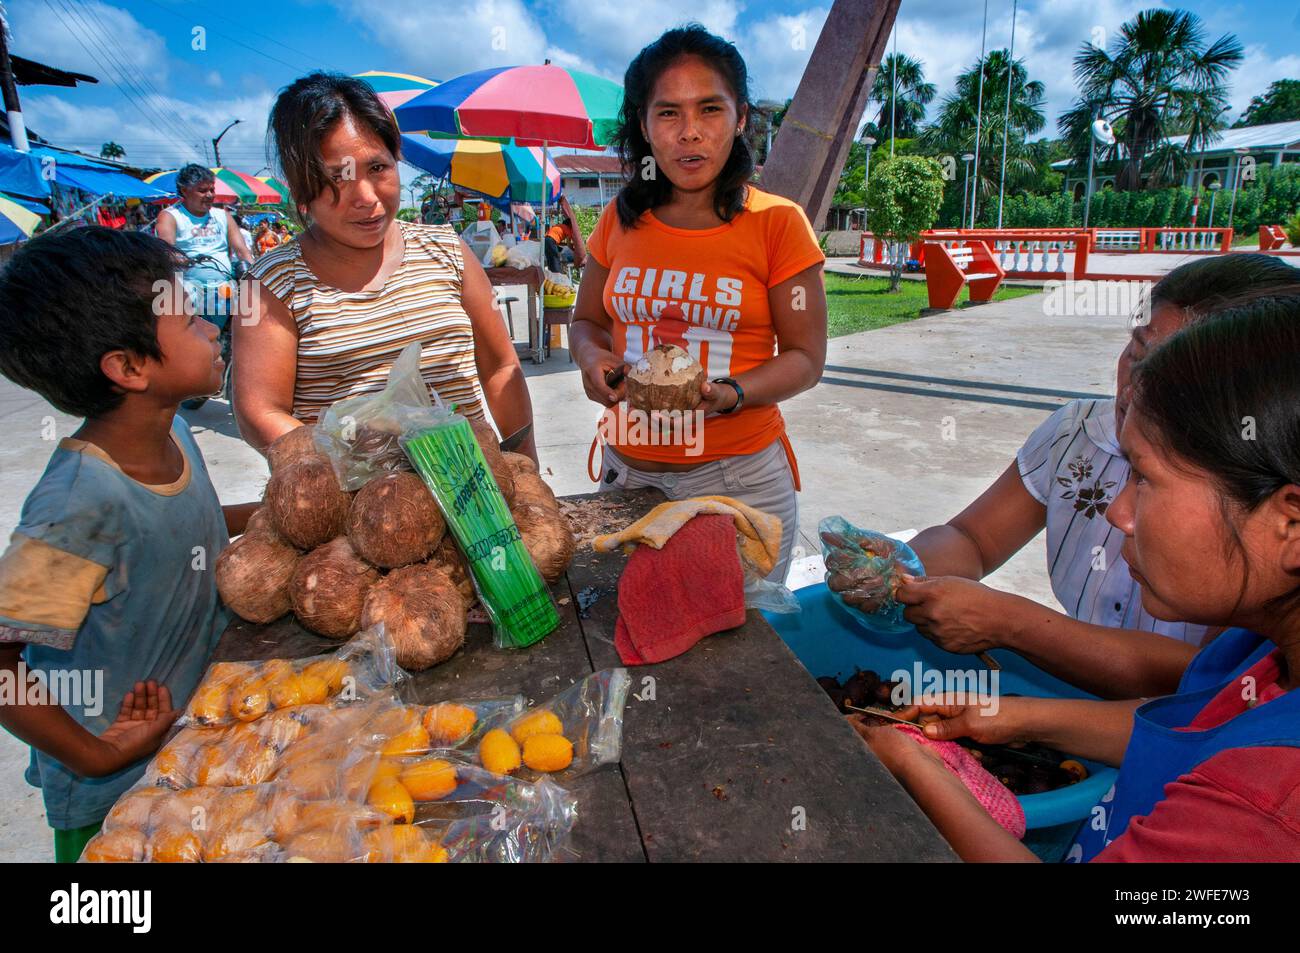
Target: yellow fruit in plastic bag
x: 175, y: 845
x: 187, y: 809
x: 389, y: 722
x: 250, y: 700
x: 393, y: 799
x: 229, y: 673
x: 548, y: 752
x: 115, y: 847
x: 254, y: 764
x: 414, y: 740
x: 320, y: 846
x: 311, y: 780
x: 132, y: 810
x: 174, y: 764
x: 387, y: 768
x: 291, y: 816
x: 429, y: 780
x: 314, y: 689
x: 210, y: 703
x: 331, y: 671
x: 540, y: 722
x: 235, y: 840
x: 498, y: 752
x: 449, y: 724
x: 401, y: 844
x: 287, y: 692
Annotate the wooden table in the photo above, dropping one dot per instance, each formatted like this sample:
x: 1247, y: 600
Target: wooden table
x: 531, y: 277
x: 725, y: 748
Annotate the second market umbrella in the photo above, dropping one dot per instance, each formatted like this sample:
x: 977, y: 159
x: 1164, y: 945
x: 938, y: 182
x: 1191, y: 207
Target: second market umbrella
x: 490, y: 168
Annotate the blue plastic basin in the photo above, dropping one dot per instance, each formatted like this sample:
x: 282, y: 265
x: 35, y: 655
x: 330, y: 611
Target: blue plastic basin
x: 829, y: 640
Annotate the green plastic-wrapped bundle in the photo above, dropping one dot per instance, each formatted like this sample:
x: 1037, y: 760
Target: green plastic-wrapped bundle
x: 452, y: 464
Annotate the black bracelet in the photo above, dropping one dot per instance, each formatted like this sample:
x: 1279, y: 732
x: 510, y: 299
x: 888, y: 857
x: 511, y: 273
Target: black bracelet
x: 740, y: 393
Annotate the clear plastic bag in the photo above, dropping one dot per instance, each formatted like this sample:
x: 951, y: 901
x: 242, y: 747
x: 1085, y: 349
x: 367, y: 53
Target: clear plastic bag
x: 234, y: 692
x: 768, y: 596
x: 863, y: 569
x: 362, y: 435
x: 574, y: 733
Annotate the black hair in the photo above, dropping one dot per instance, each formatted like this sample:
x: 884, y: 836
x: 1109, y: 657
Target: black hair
x: 1223, y: 396
x: 1205, y: 284
x: 304, y: 113
x: 69, y: 297
x: 193, y: 174
x: 642, y: 192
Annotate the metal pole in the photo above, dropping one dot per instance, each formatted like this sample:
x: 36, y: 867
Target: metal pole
x: 866, y: 182
x: 1006, y: 117
x: 1213, y: 194
x: 979, y: 114
x: 1092, y: 152
x: 965, y: 195
x: 13, y: 108
x: 893, y: 97
x: 1236, y: 181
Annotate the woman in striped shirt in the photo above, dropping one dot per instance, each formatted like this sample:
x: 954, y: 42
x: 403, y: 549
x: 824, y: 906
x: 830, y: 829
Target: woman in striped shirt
x: 333, y: 309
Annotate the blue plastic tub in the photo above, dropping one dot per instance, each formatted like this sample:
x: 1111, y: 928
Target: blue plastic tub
x: 829, y: 640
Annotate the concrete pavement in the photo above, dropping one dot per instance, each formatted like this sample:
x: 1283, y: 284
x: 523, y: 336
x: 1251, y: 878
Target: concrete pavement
x: 908, y: 425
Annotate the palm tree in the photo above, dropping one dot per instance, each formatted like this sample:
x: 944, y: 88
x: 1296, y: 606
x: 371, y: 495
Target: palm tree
x: 908, y: 105
x: 111, y: 150
x: 1159, y: 78
x: 953, y: 130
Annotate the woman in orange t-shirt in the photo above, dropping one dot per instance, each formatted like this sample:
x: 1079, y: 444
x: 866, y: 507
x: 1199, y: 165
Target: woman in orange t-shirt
x: 688, y: 238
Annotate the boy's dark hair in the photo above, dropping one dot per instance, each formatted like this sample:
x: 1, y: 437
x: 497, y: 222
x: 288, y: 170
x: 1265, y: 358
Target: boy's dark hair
x: 70, y: 297
x: 1223, y: 395
x: 1204, y: 284
x: 640, y: 193
x: 191, y: 175
x: 304, y: 113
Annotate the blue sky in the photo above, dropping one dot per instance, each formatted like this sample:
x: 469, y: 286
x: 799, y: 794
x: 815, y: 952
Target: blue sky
x: 159, y: 97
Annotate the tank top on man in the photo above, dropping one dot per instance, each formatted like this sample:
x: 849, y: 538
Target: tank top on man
x: 203, y: 235
x: 348, y: 340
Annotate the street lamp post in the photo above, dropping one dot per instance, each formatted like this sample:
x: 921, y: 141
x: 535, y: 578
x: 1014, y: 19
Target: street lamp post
x: 965, y: 189
x: 1214, y: 191
x: 1236, y: 181
x: 216, y: 143
x: 870, y: 143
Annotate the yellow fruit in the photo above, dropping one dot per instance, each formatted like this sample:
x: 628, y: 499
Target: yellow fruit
x: 331, y: 671
x: 254, y: 764
x: 210, y: 704
x: 228, y: 673
x: 291, y: 816
x: 314, y: 689
x: 250, y: 700
x: 548, y: 752
x: 175, y: 845
x: 393, y: 799
x: 401, y: 844
x: 187, y: 809
x: 449, y: 724
x: 287, y: 692
x: 174, y: 764
x: 429, y: 780
x: 498, y: 752
x: 311, y: 780
x: 320, y: 846
x: 133, y: 810
x: 390, y: 722
x: 280, y: 729
x: 540, y: 722
x: 235, y: 840
x: 414, y: 740
x: 116, y: 847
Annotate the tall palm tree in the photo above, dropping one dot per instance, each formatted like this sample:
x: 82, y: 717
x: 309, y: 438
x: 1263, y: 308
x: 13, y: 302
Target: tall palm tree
x: 953, y: 130
x: 908, y: 102
x: 1159, y: 78
x: 111, y: 150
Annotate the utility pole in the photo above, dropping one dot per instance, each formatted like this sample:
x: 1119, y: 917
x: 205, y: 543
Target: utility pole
x: 13, y: 109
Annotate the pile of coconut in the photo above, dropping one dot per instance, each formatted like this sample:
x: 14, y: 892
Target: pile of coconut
x: 344, y: 561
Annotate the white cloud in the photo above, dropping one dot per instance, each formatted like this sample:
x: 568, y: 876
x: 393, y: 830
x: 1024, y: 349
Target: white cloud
x: 88, y: 37
x: 613, y: 33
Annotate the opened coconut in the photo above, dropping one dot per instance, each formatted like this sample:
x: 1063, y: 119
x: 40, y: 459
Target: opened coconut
x: 421, y: 611
x: 328, y: 589
x: 290, y: 447
x: 547, y: 538
x: 449, y: 559
x: 496, y: 461
x: 395, y: 521
x: 518, y: 462
x: 531, y: 488
x: 253, y: 576
x: 308, y: 507
x: 666, y: 379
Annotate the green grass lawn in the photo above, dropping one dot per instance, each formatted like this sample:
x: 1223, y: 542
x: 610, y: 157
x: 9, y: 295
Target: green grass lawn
x: 864, y: 304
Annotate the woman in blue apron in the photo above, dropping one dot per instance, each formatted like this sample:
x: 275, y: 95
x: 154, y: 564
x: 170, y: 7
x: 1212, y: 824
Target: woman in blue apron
x: 1211, y: 519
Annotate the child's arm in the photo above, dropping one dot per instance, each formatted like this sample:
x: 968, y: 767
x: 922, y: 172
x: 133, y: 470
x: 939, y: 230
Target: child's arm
x: 143, y: 721
x: 237, y: 515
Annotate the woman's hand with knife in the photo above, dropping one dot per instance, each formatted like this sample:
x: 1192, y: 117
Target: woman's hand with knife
x: 959, y: 615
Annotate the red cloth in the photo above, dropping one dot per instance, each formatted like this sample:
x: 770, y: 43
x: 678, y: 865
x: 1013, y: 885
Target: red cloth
x: 994, y: 796
x: 670, y: 598
x: 1240, y: 805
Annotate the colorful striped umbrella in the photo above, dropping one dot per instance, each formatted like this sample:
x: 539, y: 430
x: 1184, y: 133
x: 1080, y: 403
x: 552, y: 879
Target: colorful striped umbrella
x: 276, y: 184
x: 490, y: 168
x: 16, y: 222
x: 533, y: 105
x: 396, y: 88
x: 232, y: 186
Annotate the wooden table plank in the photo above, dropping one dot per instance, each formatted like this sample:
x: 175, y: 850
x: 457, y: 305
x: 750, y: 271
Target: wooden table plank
x: 739, y: 741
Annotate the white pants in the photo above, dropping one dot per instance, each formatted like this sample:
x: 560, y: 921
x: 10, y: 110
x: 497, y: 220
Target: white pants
x: 762, y: 480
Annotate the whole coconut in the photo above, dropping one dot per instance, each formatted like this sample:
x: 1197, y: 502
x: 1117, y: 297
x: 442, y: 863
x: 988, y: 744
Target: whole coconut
x: 292, y: 446
x: 666, y: 379
x: 547, y: 538
x: 308, y: 507
x: 532, y: 489
x: 519, y: 463
x: 253, y: 576
x: 328, y: 589
x: 449, y: 559
x: 496, y: 461
x: 395, y: 521
x: 421, y: 611
x: 259, y: 522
